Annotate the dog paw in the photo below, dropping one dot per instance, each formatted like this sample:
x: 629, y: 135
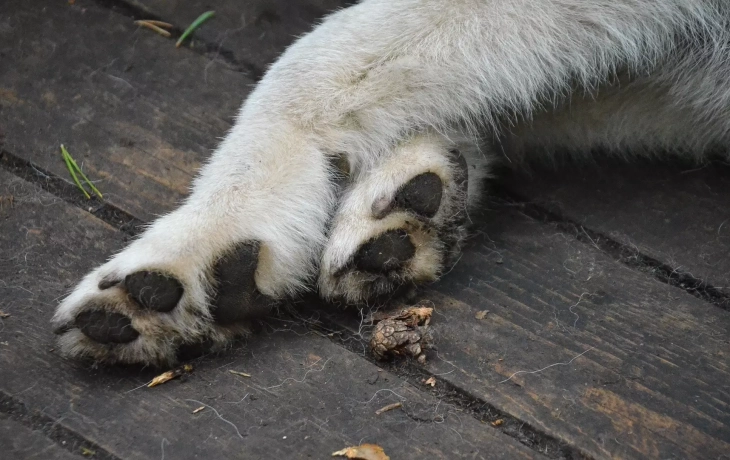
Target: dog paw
x: 399, y: 224
x: 155, y: 302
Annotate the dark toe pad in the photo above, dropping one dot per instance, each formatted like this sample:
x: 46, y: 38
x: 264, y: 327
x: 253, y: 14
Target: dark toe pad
x: 421, y: 195
x: 387, y: 252
x: 236, y: 297
x: 105, y: 327
x: 153, y: 290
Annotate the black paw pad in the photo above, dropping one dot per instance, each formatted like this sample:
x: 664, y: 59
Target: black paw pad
x: 105, y: 327
x: 421, y: 195
x: 385, y: 253
x: 236, y: 297
x: 107, y: 283
x: 154, y: 291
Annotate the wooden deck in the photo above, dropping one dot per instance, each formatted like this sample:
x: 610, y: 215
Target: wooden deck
x: 607, y: 287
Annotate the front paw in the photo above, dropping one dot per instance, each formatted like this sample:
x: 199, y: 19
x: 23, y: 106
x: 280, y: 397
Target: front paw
x: 401, y: 224
x: 148, y: 306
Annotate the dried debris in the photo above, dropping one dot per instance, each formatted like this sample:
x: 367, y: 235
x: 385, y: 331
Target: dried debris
x: 481, y: 314
x: 199, y: 409
x: 157, y: 26
x: 416, y: 315
x: 388, y: 407
x: 169, y: 375
x: 4, y: 315
x: 498, y: 422
x: 402, y: 333
x: 431, y: 381
x: 363, y: 452
x: 242, y: 374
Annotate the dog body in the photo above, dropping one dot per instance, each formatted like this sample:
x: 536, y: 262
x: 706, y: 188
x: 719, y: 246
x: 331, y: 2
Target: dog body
x: 353, y: 163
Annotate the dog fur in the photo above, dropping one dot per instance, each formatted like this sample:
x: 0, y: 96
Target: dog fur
x: 391, y: 86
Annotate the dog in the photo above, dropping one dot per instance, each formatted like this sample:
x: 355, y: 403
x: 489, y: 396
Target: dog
x: 353, y: 164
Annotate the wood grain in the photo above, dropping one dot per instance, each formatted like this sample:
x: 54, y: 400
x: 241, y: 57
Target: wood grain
x: 608, y: 359
x: 678, y: 214
x: 254, y: 32
x: 138, y: 114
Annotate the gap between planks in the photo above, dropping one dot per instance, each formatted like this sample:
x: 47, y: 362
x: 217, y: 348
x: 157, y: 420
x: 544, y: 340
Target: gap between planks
x: 64, y: 437
x: 622, y: 253
x: 135, y: 12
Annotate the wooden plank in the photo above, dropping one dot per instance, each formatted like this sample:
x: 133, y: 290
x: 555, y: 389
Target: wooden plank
x: 306, y: 396
x: 253, y: 32
x: 138, y: 113
x: 582, y: 347
x: 678, y: 215
x: 21, y: 443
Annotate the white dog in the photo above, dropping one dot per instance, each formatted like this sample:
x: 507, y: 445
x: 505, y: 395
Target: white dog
x: 354, y: 160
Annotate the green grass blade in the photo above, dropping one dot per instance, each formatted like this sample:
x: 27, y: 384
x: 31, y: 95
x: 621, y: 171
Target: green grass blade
x: 192, y: 27
x: 86, y: 179
x: 67, y: 160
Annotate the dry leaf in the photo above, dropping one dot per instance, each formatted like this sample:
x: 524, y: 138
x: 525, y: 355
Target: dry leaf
x: 87, y: 452
x: 363, y: 452
x: 396, y: 338
x: 242, y: 374
x: 157, y: 26
x: 417, y: 315
x: 481, y: 314
x: 4, y: 315
x: 199, y: 409
x: 498, y: 422
x: 388, y: 407
x: 402, y: 333
x: 431, y: 381
x: 169, y: 375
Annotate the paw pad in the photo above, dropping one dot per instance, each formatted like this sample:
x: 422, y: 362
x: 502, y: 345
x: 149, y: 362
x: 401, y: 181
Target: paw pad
x: 420, y: 195
x: 236, y: 294
x: 386, y: 252
x: 106, y: 327
x: 154, y: 291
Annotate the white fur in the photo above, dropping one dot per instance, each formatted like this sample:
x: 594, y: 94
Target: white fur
x: 537, y: 75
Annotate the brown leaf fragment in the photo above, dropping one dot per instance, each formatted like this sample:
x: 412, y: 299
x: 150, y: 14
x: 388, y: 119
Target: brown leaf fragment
x: 481, y: 314
x: 4, y: 315
x: 163, y: 24
x: 404, y: 332
x: 169, y: 375
x: 388, y: 407
x: 242, y: 374
x: 363, y: 452
x: 417, y: 315
x: 393, y: 338
x: 498, y: 422
x: 199, y: 409
x: 150, y: 25
x: 431, y: 381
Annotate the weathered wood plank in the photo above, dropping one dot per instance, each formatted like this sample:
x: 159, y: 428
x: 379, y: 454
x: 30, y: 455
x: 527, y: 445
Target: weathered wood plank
x: 579, y: 346
x: 586, y: 349
x: 255, y: 32
x: 678, y: 215
x: 21, y: 443
x: 138, y: 113
x: 306, y: 396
